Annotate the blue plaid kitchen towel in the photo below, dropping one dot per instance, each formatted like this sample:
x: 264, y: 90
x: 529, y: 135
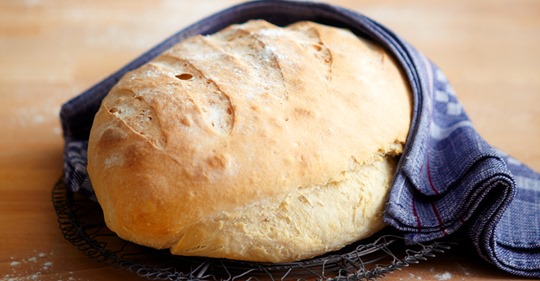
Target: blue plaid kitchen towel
x: 448, y: 178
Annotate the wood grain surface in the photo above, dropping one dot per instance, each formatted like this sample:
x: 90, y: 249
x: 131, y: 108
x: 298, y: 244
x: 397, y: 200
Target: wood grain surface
x: 50, y: 51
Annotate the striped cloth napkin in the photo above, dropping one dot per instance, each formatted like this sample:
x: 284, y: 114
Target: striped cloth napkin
x: 448, y: 179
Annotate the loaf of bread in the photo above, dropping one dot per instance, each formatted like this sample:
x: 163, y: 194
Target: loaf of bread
x: 258, y: 143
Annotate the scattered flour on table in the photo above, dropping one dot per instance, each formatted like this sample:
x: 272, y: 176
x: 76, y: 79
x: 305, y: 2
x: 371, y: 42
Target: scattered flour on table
x: 48, y: 264
x: 32, y: 268
x: 411, y: 277
x: 443, y: 276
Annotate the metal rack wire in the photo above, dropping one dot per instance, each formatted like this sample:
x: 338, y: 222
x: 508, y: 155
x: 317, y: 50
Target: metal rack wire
x: 81, y: 222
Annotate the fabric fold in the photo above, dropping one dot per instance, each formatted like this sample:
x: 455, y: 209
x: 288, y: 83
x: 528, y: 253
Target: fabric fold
x: 448, y: 177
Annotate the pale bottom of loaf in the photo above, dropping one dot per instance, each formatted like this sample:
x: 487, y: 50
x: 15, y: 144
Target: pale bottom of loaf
x: 346, y: 209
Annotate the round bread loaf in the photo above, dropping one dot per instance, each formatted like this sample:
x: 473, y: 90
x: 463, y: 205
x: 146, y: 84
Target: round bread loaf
x: 259, y: 143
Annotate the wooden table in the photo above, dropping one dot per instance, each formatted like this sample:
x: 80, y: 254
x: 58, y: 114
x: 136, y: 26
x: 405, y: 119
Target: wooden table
x: 50, y: 51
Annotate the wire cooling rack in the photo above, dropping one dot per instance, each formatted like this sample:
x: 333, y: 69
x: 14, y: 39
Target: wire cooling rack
x: 81, y: 222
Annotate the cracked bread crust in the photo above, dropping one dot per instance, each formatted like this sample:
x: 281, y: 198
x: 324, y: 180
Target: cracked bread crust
x: 258, y: 143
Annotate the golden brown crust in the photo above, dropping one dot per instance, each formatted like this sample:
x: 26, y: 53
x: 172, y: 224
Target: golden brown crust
x: 242, y: 119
